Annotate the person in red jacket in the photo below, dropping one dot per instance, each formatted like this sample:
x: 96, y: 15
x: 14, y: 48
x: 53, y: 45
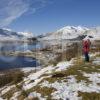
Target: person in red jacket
x: 86, y: 49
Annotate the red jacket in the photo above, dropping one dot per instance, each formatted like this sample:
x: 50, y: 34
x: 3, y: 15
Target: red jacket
x: 86, y: 46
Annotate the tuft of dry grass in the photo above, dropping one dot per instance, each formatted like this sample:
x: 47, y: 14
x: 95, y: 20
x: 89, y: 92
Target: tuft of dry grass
x: 45, y: 91
x: 89, y: 96
x: 12, y: 77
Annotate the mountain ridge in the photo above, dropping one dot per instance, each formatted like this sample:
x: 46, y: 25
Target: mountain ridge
x: 7, y: 34
x: 72, y: 32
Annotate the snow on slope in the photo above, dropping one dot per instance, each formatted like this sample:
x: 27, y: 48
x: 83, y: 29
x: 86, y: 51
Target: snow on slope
x: 35, y: 76
x: 69, y: 90
x: 95, y: 33
x: 68, y: 32
x: 65, y: 90
x: 26, y: 34
x: 71, y: 32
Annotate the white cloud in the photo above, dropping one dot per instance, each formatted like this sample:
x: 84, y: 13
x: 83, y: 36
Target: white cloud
x: 13, y: 9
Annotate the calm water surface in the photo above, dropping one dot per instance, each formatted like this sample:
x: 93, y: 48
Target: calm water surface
x: 9, y: 62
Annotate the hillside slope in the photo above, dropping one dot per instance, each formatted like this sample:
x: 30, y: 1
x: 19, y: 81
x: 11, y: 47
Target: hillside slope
x: 66, y: 80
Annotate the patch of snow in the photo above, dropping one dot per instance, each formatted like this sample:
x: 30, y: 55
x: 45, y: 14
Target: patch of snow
x: 35, y: 77
x: 39, y: 73
x: 1, y: 98
x: 7, y: 89
x: 28, y: 69
x: 35, y: 94
x: 63, y: 65
x: 15, y: 95
x: 94, y: 77
x: 69, y: 90
x: 96, y: 61
x: 32, y: 84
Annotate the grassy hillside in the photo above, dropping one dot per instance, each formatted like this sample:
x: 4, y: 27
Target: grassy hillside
x: 64, y: 79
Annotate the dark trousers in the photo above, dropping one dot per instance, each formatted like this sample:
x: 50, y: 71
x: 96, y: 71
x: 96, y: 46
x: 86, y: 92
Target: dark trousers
x: 86, y: 56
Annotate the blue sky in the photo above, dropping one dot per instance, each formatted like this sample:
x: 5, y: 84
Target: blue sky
x: 42, y: 16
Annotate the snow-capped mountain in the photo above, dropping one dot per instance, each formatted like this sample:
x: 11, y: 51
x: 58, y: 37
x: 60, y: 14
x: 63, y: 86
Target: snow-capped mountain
x: 68, y: 32
x: 94, y: 32
x: 26, y: 34
x: 71, y: 32
x: 6, y: 34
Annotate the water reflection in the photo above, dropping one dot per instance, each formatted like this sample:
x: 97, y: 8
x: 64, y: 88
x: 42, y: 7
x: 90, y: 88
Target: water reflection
x: 16, y: 61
